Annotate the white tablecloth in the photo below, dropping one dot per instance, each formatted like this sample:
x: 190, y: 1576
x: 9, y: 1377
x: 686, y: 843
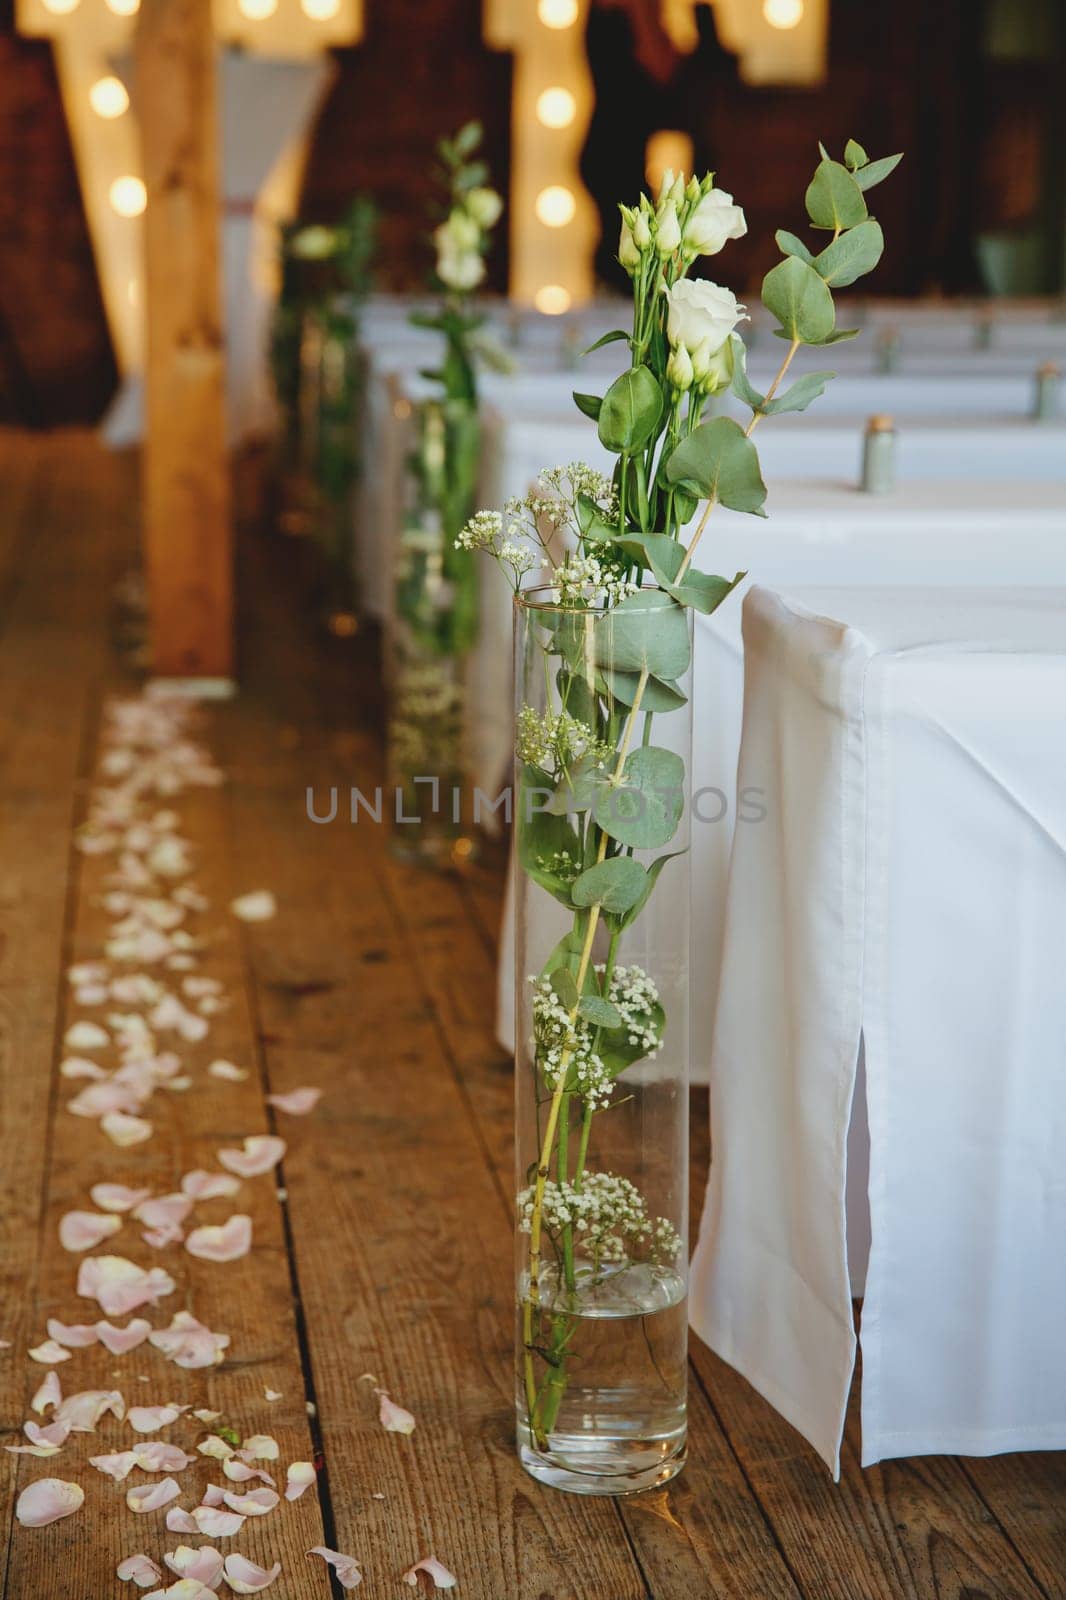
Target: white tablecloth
x: 908, y: 883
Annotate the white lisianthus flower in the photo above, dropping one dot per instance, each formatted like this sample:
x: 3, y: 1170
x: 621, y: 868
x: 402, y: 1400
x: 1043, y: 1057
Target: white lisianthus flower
x: 714, y: 220
x: 641, y: 230
x: 460, y: 269
x: 679, y: 369
x: 628, y: 254
x: 701, y: 316
x: 485, y: 206
x: 713, y: 370
x: 459, y: 233
x: 668, y: 233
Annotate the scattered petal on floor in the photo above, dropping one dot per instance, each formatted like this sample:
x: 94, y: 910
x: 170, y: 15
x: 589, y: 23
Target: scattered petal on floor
x: 207, y: 1416
x: 215, y: 1523
x: 54, y: 1435
x: 240, y: 1472
x: 215, y: 1447
x: 259, y: 906
x: 49, y: 1354
x: 229, y: 1242
x: 260, y: 1447
x: 204, y: 1564
x: 214, y: 1495
x: 189, y: 1344
x: 84, y: 1410
x: 122, y: 1340
x: 261, y: 1152
x: 244, y: 1577
x: 152, y: 1496
x: 254, y: 1504
x: 179, y: 1521
x: 393, y: 1418
x: 84, y: 1230
x: 163, y: 1210
x: 49, y: 1394
x: 75, y: 1335
x: 183, y: 1589
x: 119, y: 1286
x: 110, y: 1098
x: 442, y: 1578
x: 139, y: 1569
x: 158, y: 1456
x: 149, y: 1419
x: 118, y: 1464
x: 346, y: 1567
x: 273, y: 1394
x: 116, y: 1196
x: 124, y: 1130
x: 159, y: 1238
x: 200, y: 1185
x: 299, y: 1476
x: 47, y: 1500
x: 297, y: 1102
x: 80, y: 1067
x: 86, y: 1036
x: 227, y: 1070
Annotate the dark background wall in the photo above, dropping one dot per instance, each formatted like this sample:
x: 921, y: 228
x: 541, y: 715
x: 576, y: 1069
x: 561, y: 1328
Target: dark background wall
x: 972, y: 90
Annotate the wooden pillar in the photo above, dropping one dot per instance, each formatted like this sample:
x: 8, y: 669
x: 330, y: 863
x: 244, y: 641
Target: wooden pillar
x: 186, y: 490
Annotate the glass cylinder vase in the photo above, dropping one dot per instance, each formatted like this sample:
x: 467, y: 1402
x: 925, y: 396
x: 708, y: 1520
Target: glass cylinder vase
x: 603, y: 748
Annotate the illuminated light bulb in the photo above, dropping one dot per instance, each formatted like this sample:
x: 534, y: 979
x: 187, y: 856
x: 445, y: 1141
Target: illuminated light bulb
x: 783, y: 13
x: 124, y: 8
x: 552, y: 299
x: 556, y: 108
x: 108, y: 98
x: 60, y: 8
x: 128, y: 196
x: 557, y: 13
x: 320, y: 10
x: 556, y: 206
x: 257, y: 10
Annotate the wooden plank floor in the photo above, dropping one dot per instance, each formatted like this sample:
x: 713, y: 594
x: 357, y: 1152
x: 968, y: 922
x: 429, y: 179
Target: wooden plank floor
x: 384, y: 1246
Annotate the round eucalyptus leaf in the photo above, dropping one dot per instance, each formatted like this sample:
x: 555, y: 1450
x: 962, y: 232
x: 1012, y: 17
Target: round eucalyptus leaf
x: 615, y: 885
x: 644, y: 808
x: 799, y: 298
x: 630, y: 412
x: 646, y: 630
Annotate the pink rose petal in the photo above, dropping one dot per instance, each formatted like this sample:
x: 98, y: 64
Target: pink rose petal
x: 261, y: 1152
x: 118, y: 1464
x: 84, y: 1230
x: 254, y: 1504
x: 229, y: 1242
x: 159, y: 1238
x: 260, y: 1447
x: 122, y: 1340
x: 123, y: 1130
x: 81, y: 1067
x: 139, y: 1569
x: 273, y: 1394
x: 239, y: 1471
x: 258, y: 906
x: 86, y: 1036
x: 49, y: 1394
x: 200, y: 1185
x: 149, y: 1419
x: 116, y: 1196
x: 297, y: 1102
x: 244, y: 1577
x: 214, y: 1495
x: 228, y: 1071
x: 152, y: 1496
x: 204, y: 1564
x: 216, y: 1524
x: 393, y: 1418
x: 47, y: 1501
x: 49, y: 1354
x: 179, y: 1521
x: 163, y: 1210
x: 299, y: 1477
x: 216, y: 1448
x: 183, y: 1589
x: 346, y: 1567
x: 442, y: 1578
x: 55, y: 1434
x: 83, y: 1410
x: 189, y: 1344
x: 76, y: 1335
x: 119, y: 1286
x: 107, y: 1099
x: 158, y: 1456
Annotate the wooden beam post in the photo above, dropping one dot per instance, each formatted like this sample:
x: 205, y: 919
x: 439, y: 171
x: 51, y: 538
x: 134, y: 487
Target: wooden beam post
x: 186, y: 491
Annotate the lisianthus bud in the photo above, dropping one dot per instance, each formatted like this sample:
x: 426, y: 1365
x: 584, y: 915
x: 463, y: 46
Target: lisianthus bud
x: 460, y: 269
x: 712, y: 370
x: 641, y: 230
x: 628, y: 253
x: 485, y: 206
x: 677, y: 193
x: 679, y: 369
x: 666, y: 185
x: 460, y: 231
x: 714, y: 220
x: 668, y: 233
x: 701, y: 316
x: 694, y: 188
x: 313, y: 243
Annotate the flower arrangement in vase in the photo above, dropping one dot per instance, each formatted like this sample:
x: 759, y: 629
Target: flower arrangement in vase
x: 602, y: 675
x: 435, y: 616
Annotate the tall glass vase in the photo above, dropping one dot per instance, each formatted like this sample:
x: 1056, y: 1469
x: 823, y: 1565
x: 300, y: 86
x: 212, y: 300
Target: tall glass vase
x: 601, y: 948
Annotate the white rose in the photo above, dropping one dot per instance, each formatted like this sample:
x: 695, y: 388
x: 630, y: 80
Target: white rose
x: 714, y: 220
x: 485, y: 206
x: 701, y: 316
x: 460, y: 269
